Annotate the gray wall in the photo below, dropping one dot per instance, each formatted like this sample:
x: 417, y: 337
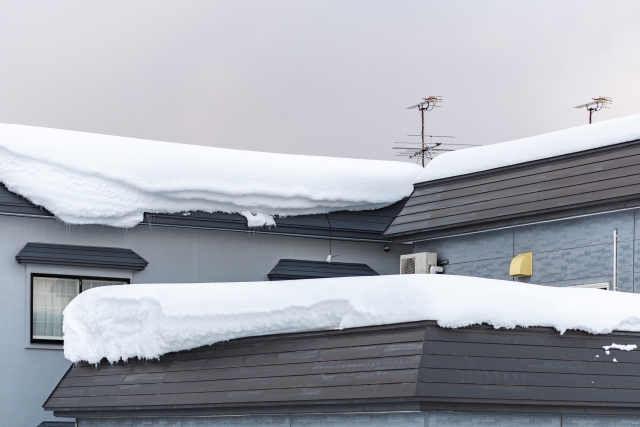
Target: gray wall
x: 29, y: 372
x: 411, y: 419
x: 566, y: 252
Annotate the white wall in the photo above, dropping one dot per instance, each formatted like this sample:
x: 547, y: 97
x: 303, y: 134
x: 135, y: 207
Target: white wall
x: 30, y: 372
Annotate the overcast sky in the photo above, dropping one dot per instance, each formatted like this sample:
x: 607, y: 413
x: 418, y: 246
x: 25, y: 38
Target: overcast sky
x: 316, y: 77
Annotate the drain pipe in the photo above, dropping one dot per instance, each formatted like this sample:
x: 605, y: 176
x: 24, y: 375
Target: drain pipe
x: 615, y: 260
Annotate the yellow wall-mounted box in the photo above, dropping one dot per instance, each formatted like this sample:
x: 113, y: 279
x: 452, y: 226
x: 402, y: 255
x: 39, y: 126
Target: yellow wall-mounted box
x: 522, y: 265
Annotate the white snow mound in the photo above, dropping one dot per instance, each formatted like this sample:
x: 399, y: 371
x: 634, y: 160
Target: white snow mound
x: 534, y: 148
x: 147, y: 321
x: 85, y: 178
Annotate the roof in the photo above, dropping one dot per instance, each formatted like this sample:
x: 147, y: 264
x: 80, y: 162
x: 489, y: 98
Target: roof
x: 57, y: 424
x: 291, y: 269
x: 11, y: 203
x: 366, y: 225
x: 560, y: 143
x: 81, y: 256
x: 182, y: 316
x: 591, y: 181
x: 86, y: 178
x: 476, y: 368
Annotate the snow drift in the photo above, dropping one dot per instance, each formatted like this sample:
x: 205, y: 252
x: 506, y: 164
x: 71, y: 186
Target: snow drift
x: 85, y: 178
x: 120, y: 322
x: 534, y: 148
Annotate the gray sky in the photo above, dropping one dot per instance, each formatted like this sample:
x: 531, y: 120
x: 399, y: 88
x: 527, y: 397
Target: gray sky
x: 315, y: 77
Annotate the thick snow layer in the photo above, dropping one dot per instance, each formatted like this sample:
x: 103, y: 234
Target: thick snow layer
x: 120, y: 322
x: 528, y: 149
x: 86, y: 178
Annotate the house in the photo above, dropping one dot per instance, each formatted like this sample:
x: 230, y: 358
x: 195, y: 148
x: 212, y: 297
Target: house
x: 557, y: 210
x: 390, y: 369
x: 567, y: 199
x: 46, y: 261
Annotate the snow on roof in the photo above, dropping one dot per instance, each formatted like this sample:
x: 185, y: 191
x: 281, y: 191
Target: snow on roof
x: 85, y: 178
x: 148, y: 320
x: 534, y: 148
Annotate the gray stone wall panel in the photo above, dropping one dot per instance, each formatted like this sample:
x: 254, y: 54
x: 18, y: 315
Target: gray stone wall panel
x: 407, y: 419
x: 599, y: 421
x: 492, y: 419
x: 568, y: 252
x: 471, y: 247
x: 497, y: 268
x: 576, y: 232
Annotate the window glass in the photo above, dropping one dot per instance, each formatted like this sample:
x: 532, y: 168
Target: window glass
x: 90, y: 284
x: 51, y: 295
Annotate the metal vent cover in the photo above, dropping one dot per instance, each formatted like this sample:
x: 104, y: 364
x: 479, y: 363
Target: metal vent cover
x: 408, y: 266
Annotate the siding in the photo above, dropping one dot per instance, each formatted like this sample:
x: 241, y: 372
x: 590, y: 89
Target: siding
x: 411, y: 419
x: 566, y: 252
x: 293, y: 269
x: 591, y: 181
x: 486, y: 255
x: 415, y: 419
x: 519, y: 370
x: 175, y: 255
x: 400, y: 419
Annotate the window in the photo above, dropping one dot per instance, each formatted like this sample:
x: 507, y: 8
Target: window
x: 50, y: 295
x: 604, y: 286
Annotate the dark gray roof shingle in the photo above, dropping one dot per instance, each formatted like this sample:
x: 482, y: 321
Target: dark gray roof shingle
x: 350, y: 225
x: 81, y: 256
x: 586, y: 182
x: 475, y: 368
x: 292, y: 269
x: 57, y: 424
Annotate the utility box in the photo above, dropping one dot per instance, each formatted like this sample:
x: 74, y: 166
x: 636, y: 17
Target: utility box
x: 419, y: 263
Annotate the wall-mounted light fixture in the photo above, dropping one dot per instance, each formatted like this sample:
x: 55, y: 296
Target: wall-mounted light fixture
x: 522, y: 265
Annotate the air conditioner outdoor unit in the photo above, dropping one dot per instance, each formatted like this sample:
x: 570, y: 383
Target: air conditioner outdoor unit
x: 420, y: 263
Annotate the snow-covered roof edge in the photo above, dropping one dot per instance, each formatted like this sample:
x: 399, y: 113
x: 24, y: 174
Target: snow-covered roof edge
x: 86, y: 178
x: 539, y: 147
x: 146, y: 321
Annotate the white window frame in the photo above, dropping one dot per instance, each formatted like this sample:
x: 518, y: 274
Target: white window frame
x: 606, y: 286
x: 80, y: 288
x: 48, y: 270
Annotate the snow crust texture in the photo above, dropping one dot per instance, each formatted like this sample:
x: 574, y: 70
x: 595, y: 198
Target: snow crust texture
x: 148, y: 320
x: 538, y: 147
x: 86, y: 178
x: 623, y: 347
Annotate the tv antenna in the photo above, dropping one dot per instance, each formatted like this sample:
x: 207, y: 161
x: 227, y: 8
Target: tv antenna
x: 427, y: 105
x: 426, y: 150
x: 596, y: 105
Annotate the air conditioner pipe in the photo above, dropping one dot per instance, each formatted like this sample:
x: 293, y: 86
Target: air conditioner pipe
x: 436, y: 270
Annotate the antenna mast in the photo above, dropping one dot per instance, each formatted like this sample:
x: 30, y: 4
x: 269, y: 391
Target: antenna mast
x: 431, y: 149
x: 596, y: 105
x: 427, y: 105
